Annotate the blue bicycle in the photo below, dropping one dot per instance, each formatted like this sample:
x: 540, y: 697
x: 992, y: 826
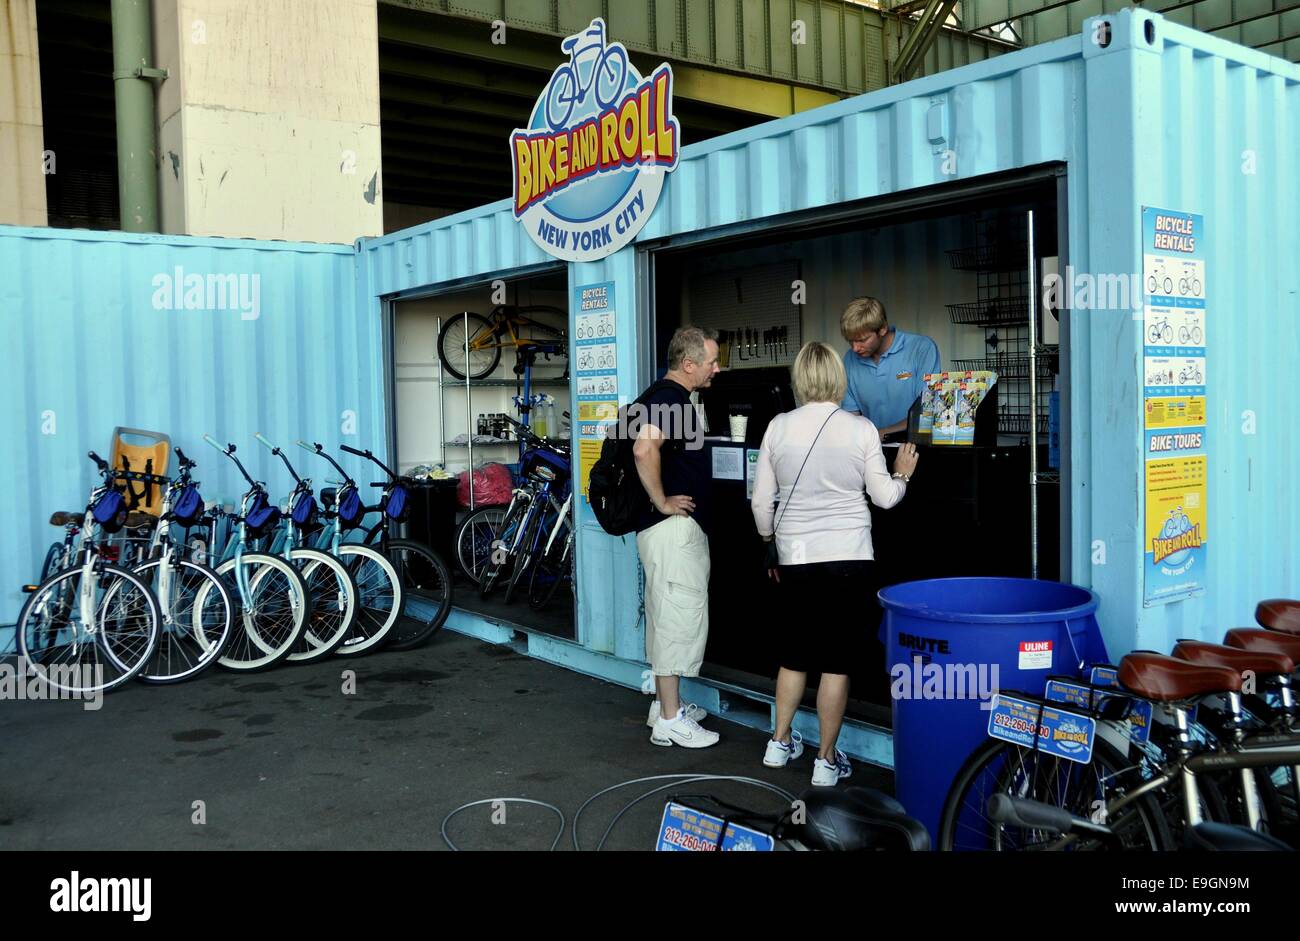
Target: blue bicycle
x: 531, y: 521
x: 271, y: 595
x: 605, y: 68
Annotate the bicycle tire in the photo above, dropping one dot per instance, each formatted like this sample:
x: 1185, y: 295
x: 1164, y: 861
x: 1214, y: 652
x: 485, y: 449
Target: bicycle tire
x: 1009, y: 768
x: 51, y: 564
x: 333, y: 604
x: 474, y: 539
x: 426, y: 584
x: 60, y: 675
x: 259, y: 645
x: 380, y: 599
x: 495, y: 570
x: 555, y: 566
x: 527, y: 557
x: 161, y: 669
x: 453, y: 354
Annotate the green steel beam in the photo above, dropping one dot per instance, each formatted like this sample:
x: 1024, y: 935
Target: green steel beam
x: 830, y: 46
x: 137, y: 141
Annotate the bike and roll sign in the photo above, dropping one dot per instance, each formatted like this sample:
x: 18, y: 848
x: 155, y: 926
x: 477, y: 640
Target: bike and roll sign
x: 590, y: 166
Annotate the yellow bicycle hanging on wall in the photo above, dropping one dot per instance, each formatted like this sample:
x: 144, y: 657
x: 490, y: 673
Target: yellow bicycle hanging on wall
x: 472, y: 343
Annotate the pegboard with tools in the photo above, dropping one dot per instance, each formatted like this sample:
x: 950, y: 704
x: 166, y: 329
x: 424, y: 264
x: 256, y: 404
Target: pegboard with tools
x: 753, y: 311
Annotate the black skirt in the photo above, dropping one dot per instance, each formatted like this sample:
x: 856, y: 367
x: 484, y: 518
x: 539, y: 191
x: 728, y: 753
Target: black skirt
x: 829, y: 608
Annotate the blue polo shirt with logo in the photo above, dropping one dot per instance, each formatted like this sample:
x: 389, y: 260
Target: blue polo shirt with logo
x: 884, y: 391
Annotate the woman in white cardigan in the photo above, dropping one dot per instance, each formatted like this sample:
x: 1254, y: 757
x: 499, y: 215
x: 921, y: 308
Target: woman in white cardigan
x: 815, y: 468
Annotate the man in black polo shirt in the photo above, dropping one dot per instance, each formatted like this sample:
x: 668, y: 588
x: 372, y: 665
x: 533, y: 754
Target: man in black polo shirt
x: 672, y: 536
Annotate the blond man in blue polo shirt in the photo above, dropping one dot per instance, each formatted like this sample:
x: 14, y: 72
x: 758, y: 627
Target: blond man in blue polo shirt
x: 884, y: 365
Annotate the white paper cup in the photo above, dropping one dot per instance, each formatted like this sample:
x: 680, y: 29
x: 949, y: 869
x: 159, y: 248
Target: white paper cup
x: 738, y: 425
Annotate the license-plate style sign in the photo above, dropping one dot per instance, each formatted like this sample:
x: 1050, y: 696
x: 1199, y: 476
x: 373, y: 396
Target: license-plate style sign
x: 1057, y: 732
x: 1137, y: 716
x: 687, y: 830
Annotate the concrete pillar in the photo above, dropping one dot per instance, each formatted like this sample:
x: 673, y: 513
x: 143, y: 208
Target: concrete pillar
x: 269, y: 118
x: 22, y: 178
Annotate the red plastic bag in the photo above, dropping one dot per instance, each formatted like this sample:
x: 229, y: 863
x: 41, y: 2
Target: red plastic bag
x: 492, y: 486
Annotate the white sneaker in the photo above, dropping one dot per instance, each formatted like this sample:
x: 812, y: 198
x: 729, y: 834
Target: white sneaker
x: 828, y: 774
x: 683, y: 731
x: 779, y: 753
x: 692, y: 710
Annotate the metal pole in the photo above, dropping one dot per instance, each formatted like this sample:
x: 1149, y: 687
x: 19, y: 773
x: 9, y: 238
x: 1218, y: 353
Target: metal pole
x: 469, y: 412
x: 137, y: 139
x: 442, y: 426
x: 1033, y: 405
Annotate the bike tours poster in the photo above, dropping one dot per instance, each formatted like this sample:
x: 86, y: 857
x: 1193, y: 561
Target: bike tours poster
x: 1174, y: 409
x: 601, y: 138
x: 595, y: 370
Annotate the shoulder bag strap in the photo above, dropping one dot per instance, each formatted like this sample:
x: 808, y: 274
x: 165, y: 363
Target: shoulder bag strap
x: 801, y: 467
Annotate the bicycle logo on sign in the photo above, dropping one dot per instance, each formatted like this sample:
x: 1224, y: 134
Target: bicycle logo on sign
x: 605, y: 68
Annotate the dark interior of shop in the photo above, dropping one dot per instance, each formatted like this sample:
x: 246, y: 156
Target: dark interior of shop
x: 957, y: 270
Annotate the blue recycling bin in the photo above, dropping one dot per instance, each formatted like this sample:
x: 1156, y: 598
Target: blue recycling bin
x: 949, y: 643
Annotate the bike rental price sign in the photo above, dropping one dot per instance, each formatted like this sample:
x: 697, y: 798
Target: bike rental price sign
x: 595, y: 372
x: 590, y: 165
x: 1173, y: 404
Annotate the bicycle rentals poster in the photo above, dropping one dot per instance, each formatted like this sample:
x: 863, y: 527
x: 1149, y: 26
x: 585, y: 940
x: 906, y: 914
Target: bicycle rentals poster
x: 1174, y: 412
x: 595, y: 370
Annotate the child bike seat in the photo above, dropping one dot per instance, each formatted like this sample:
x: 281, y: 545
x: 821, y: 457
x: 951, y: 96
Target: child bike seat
x: 1166, y: 679
x: 1234, y: 658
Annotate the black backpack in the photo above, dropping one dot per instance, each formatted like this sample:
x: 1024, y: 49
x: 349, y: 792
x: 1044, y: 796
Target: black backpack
x: 614, y: 489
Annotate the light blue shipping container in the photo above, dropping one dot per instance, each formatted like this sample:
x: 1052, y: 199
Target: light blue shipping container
x: 1144, y: 113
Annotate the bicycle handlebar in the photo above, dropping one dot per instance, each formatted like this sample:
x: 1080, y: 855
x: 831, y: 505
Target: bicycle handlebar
x: 269, y: 446
x: 186, y: 463
x: 99, y: 461
x: 369, y: 456
x: 213, y: 441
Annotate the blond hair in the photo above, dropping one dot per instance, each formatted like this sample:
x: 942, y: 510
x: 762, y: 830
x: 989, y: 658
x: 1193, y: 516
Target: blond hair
x: 863, y: 315
x: 818, y: 375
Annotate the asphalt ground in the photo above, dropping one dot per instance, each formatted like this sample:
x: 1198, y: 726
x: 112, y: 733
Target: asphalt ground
x: 287, y: 760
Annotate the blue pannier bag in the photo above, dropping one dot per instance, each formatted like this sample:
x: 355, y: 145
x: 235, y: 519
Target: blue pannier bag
x: 109, y: 511
x: 304, y: 511
x: 398, y: 507
x: 261, y: 516
x: 188, y: 507
x: 351, y: 510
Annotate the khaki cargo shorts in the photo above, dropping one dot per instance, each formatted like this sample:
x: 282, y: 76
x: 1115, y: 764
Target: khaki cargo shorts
x: 675, y: 556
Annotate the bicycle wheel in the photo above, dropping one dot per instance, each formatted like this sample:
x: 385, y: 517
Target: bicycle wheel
x: 426, y: 588
x: 271, y: 620
x: 550, y: 571
x: 87, y: 659
x: 457, y: 333
x: 1083, y: 789
x: 333, y: 604
x: 611, y: 76
x: 530, y: 550
x: 475, y: 537
x: 53, y: 562
x: 561, y: 97
x: 379, y: 599
x: 192, y: 636
x: 502, y: 558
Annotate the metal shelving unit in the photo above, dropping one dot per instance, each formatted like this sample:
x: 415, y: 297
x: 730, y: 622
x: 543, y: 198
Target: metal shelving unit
x: 1006, y: 269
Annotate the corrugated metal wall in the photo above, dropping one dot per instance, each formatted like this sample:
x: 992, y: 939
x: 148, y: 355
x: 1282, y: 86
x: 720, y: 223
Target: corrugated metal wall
x: 92, y: 351
x: 1160, y: 116
x: 1227, y: 146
